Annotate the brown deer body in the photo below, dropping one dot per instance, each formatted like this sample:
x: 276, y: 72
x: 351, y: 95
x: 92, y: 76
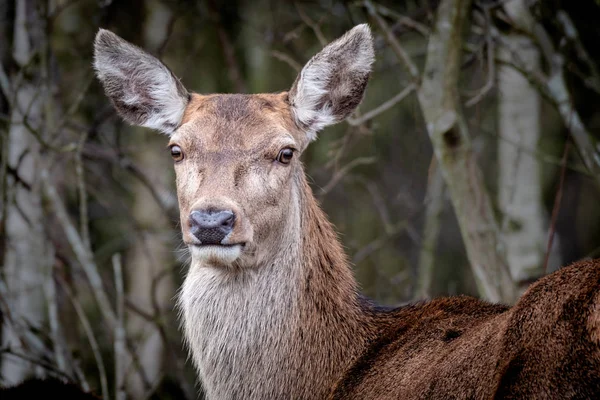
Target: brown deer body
x: 270, y: 307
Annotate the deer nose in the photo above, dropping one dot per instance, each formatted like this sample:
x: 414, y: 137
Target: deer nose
x: 211, y: 227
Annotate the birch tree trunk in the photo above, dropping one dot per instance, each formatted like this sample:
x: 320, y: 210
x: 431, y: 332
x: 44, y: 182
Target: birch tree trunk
x: 431, y: 231
x: 27, y: 254
x: 525, y: 222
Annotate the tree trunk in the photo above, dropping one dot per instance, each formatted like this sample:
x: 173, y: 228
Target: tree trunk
x: 525, y: 222
x: 449, y: 135
x: 27, y: 255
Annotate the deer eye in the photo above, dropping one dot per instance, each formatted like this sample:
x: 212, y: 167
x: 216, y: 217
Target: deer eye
x: 285, y: 155
x: 176, y: 153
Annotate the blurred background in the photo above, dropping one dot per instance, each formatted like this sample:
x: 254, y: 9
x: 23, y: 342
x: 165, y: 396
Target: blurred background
x: 90, y: 251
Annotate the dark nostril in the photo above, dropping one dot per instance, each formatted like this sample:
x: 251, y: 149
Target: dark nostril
x: 228, y: 220
x: 210, y: 226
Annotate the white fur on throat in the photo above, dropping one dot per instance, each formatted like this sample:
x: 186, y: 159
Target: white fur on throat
x: 238, y: 324
x: 312, y: 86
x: 269, y: 330
x: 237, y: 337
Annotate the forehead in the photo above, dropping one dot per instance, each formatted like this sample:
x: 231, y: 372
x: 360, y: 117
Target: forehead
x: 236, y: 121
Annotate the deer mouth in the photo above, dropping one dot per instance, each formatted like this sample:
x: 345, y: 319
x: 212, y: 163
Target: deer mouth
x: 217, y: 253
x: 218, y: 245
x: 241, y: 245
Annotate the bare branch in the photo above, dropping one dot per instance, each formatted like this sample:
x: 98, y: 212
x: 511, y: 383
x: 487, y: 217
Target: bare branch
x: 36, y: 361
x: 86, y: 259
x: 83, y: 210
x: 120, y: 338
x: 393, y: 42
x: 311, y: 24
x: 555, y: 89
x: 55, y: 326
x: 26, y: 340
x: 231, y: 62
x: 383, y: 107
x: 491, y: 70
x: 402, y: 19
x: 572, y: 35
x: 379, y: 203
x: 381, y: 241
x: 344, y: 171
x: 89, y: 332
x: 287, y: 59
x: 556, y: 206
x: 5, y: 84
x: 588, y: 149
x: 76, y: 365
x: 73, y: 108
x: 170, y: 29
x: 161, y: 195
x: 84, y: 256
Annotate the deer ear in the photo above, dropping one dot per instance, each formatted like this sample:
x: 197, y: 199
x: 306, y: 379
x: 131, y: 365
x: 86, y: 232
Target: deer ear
x: 143, y: 90
x: 331, y: 85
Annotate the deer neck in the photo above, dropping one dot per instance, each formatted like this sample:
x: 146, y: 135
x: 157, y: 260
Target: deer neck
x: 285, y: 329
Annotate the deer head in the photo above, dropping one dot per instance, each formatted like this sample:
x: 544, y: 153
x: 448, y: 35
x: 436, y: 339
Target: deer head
x: 236, y: 157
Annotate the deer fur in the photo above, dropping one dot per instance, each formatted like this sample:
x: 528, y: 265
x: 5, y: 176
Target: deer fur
x: 274, y: 312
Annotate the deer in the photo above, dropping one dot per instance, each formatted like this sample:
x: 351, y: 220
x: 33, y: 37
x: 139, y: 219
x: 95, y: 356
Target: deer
x: 270, y: 308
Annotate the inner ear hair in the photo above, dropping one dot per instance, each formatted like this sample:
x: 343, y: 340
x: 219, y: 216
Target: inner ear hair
x: 332, y: 84
x: 142, y: 89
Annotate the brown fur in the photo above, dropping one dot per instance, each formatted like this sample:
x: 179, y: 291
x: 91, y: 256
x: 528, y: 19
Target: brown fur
x: 460, y: 348
x: 225, y: 136
x: 546, y: 346
x: 275, y: 313
x: 543, y: 347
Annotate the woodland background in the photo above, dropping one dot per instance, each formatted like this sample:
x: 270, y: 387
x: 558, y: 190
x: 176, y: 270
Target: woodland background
x: 90, y: 249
